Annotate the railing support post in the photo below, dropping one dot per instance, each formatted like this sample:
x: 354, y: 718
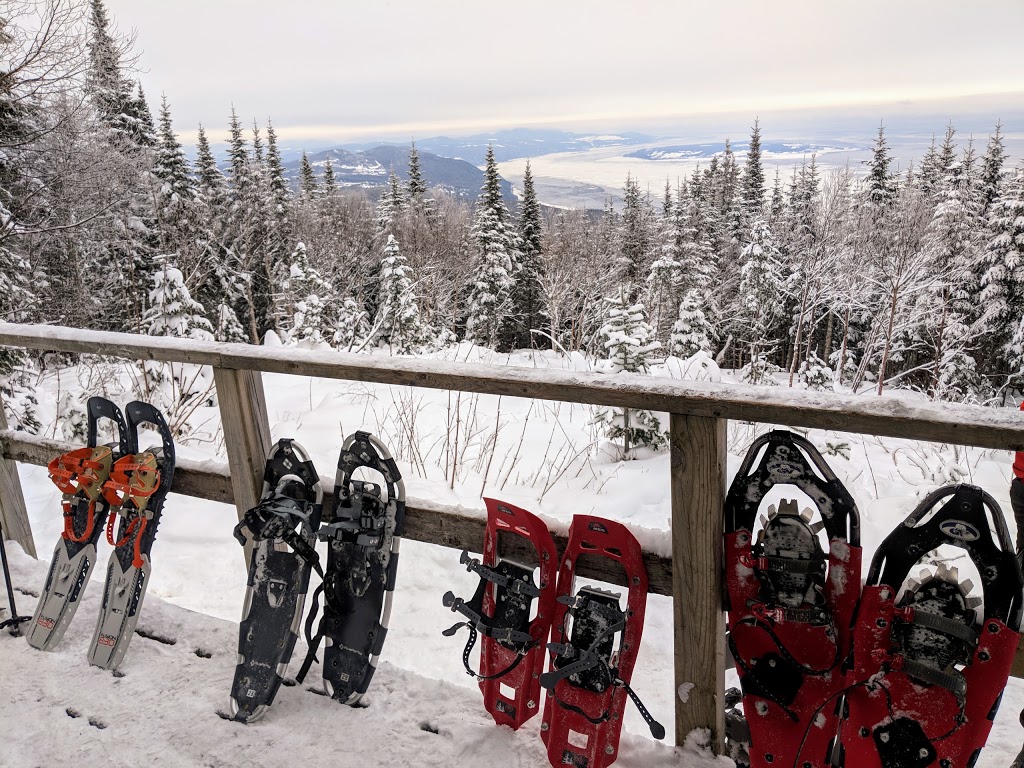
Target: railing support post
x: 243, y: 415
x: 13, y: 513
x: 698, y: 462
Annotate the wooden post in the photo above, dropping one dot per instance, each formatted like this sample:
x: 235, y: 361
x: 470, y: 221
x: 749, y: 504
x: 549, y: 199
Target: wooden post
x: 698, y: 492
x: 13, y: 513
x: 243, y: 415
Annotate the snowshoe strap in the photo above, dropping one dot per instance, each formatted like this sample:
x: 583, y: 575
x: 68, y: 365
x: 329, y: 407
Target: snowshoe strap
x: 811, y: 615
x: 361, y: 521
x: 953, y: 681
x: 276, y: 517
x: 657, y: 729
x: 469, y: 649
x: 480, y: 623
x: 312, y: 641
x: 493, y: 576
x: 950, y: 627
x: 779, y: 564
x: 69, y: 521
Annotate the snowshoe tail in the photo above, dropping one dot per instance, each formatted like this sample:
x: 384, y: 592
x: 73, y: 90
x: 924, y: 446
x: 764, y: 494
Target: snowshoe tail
x: 282, y: 529
x: 363, y: 530
x: 138, y: 484
x: 930, y: 661
x: 512, y: 649
x: 790, y: 603
x: 80, y: 476
x: 592, y: 660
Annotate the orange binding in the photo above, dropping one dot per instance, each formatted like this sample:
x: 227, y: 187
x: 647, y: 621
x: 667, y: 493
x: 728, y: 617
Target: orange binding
x: 133, y: 478
x: 82, y: 473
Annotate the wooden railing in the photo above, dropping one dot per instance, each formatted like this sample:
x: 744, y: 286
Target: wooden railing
x: 698, y: 414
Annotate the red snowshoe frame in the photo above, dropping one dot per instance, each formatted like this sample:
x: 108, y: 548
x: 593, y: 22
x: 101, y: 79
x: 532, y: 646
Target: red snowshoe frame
x: 789, y: 659
x: 572, y: 736
x: 899, y: 719
x: 502, y: 666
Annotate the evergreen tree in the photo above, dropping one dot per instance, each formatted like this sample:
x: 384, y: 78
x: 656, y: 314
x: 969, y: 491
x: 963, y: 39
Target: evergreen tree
x: 753, y: 176
x: 211, y: 178
x: 636, y: 241
x: 307, y: 179
x: 881, y: 184
x: 417, y: 186
x: 497, y: 261
x: 397, y: 321
x: 391, y: 206
x: 760, y: 297
x: 627, y: 341
x: 330, y: 183
x: 351, y: 325
x: 691, y: 332
x: 527, y: 297
x: 172, y: 310
x: 991, y: 176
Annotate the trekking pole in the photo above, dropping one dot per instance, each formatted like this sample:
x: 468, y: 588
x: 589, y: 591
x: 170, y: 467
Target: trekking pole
x: 15, y: 621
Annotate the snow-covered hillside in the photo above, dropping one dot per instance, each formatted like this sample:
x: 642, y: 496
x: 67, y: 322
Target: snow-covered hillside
x: 543, y: 456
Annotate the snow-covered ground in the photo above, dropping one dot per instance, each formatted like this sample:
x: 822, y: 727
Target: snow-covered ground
x: 544, y: 456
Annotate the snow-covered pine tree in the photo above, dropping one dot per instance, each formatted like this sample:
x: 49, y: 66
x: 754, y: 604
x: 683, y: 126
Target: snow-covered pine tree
x: 760, y: 298
x: 753, y: 176
x: 692, y: 332
x: 398, y: 318
x: 416, y: 187
x: 627, y: 339
x: 392, y: 204
x: 351, y: 325
x: 496, y: 261
x: 664, y: 285
x: 815, y: 373
x: 636, y: 241
x: 109, y: 89
x: 172, y: 310
x: 227, y: 327
x: 308, y: 184
x: 527, y: 297
x: 330, y: 183
x: 991, y: 176
x: 881, y: 183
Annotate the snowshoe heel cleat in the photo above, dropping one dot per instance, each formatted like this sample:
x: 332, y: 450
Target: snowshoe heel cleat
x: 282, y: 531
x: 790, y: 603
x: 363, y: 531
x: 930, y: 664
x: 80, y: 475
x: 594, y: 643
x: 501, y: 611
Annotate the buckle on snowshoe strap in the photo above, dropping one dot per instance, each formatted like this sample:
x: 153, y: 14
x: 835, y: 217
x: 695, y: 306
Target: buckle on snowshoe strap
x: 502, y: 580
x: 587, y: 660
x: 954, y: 681
x: 582, y: 602
x: 780, y: 564
x: 813, y: 615
x: 480, y: 623
x: 950, y: 627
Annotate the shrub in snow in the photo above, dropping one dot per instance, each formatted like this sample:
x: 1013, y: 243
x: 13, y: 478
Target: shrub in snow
x: 698, y: 367
x: 627, y: 344
x: 815, y: 374
x: 228, y: 328
x: 172, y: 310
x: 398, y: 316
x: 692, y: 332
x: 759, y: 371
x: 351, y: 325
x: 309, y: 324
x: 22, y: 411
x: 73, y: 419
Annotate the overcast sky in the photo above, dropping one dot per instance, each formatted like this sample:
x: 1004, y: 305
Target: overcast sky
x: 350, y: 69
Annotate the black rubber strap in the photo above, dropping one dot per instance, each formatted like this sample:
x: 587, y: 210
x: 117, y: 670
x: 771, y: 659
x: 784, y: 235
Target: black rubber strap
x: 954, y: 682
x: 312, y: 641
x: 950, y: 627
x: 779, y: 564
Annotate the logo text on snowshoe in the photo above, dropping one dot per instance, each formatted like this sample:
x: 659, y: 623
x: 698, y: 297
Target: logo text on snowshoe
x: 959, y: 529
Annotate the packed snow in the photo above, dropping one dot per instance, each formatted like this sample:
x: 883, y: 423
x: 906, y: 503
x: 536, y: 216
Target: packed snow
x: 424, y: 709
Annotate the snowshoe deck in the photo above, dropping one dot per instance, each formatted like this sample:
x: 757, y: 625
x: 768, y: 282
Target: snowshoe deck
x: 282, y: 528
x: 790, y: 605
x: 929, y: 669
x: 363, y: 532
x: 80, y: 475
x: 512, y: 650
x: 138, y: 484
x: 592, y: 661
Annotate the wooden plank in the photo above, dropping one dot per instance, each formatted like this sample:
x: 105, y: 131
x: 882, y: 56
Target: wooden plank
x: 453, y: 527
x: 1001, y: 428
x: 13, y: 513
x: 698, y: 467
x: 243, y: 416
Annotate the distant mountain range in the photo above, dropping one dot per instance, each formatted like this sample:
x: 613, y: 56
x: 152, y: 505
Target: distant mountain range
x: 370, y: 168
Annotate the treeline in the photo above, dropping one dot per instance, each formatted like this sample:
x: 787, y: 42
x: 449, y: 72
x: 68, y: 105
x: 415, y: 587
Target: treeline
x: 913, y: 279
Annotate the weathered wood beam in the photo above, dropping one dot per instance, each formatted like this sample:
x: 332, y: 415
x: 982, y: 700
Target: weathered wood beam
x: 698, y: 478
x: 1001, y: 428
x: 13, y: 514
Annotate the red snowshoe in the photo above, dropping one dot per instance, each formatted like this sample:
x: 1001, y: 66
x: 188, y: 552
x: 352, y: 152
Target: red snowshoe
x: 592, y: 656
x: 512, y: 650
x: 790, y: 604
x: 930, y: 661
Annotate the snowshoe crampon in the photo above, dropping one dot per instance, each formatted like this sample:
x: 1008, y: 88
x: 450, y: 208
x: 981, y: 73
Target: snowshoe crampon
x: 363, y: 532
x: 512, y: 651
x: 80, y: 475
x: 282, y: 529
x: 930, y: 659
x: 138, y: 484
x: 790, y: 604
x: 593, y: 650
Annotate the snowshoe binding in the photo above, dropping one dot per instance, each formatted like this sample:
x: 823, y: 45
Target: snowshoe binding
x: 790, y: 604
x: 136, y: 489
x: 930, y: 660
x: 594, y: 643
x: 80, y: 475
x: 282, y: 531
x: 512, y: 650
x: 363, y: 531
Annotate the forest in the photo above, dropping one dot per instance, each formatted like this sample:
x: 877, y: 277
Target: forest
x: 855, y: 278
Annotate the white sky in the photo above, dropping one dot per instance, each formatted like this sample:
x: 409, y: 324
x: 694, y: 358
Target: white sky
x: 351, y: 69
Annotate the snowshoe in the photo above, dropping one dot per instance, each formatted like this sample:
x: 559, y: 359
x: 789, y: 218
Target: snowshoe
x: 512, y: 650
x: 594, y: 643
x: 790, y: 605
x: 930, y: 661
x: 282, y: 529
x: 136, y: 489
x: 363, y: 532
x: 80, y: 475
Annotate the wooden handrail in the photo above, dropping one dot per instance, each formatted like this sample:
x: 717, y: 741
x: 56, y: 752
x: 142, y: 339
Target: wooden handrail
x: 1000, y: 428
